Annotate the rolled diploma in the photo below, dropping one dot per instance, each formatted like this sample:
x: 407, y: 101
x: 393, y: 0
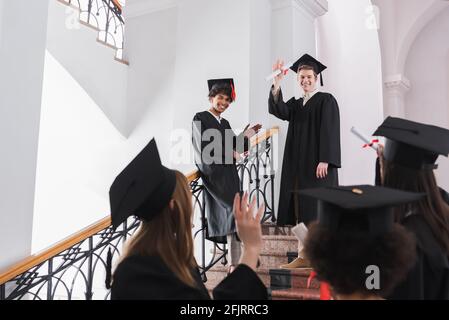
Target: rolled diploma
x: 277, y: 72
x: 363, y: 138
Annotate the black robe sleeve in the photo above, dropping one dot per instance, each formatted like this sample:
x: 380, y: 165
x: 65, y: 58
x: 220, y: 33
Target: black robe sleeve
x: 240, y: 143
x: 242, y: 284
x: 278, y: 108
x: 329, y: 147
x: 206, y: 163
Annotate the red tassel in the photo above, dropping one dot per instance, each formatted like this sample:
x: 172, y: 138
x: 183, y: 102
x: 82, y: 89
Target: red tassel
x: 371, y: 143
x: 311, y: 277
x: 325, y: 291
x: 233, y: 95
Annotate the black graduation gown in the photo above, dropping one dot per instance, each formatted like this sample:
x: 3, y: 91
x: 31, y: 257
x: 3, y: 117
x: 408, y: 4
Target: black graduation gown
x: 149, y: 278
x: 220, y: 177
x: 429, y: 278
x: 313, y: 136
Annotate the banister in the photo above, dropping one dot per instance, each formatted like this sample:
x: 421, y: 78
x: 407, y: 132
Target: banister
x: 40, y: 257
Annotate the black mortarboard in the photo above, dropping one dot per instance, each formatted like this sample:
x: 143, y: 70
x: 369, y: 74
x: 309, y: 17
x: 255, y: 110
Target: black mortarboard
x: 412, y: 144
x: 363, y: 205
x: 308, y: 60
x: 143, y: 188
x: 212, y: 82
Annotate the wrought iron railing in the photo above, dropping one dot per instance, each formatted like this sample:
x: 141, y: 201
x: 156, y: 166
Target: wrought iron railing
x: 106, y: 17
x: 75, y: 267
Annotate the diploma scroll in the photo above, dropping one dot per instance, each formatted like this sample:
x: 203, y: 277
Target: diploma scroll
x: 362, y: 137
x: 277, y: 72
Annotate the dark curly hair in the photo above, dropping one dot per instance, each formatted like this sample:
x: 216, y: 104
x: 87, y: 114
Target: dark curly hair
x: 221, y: 88
x: 341, y: 257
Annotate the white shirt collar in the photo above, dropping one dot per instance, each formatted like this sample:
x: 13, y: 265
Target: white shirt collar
x: 310, y: 94
x: 306, y: 97
x: 216, y: 117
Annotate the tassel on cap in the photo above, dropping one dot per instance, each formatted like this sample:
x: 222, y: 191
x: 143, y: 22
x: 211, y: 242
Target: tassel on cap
x: 108, y: 269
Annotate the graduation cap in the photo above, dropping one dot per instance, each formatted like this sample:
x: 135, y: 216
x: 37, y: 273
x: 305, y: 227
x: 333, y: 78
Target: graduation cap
x: 367, y: 207
x: 308, y: 60
x: 143, y: 188
x: 229, y: 81
x: 413, y: 144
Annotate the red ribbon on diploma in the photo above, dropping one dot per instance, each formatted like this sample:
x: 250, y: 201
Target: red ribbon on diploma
x: 285, y: 72
x: 325, y: 291
x: 371, y: 143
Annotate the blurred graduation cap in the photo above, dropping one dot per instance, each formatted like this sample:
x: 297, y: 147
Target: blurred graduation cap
x: 308, y: 60
x: 367, y: 207
x: 413, y: 144
x: 143, y: 188
x: 227, y: 81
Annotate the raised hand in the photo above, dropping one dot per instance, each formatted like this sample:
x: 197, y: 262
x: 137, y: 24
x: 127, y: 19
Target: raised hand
x: 277, y: 80
x: 249, y: 228
x: 252, y: 131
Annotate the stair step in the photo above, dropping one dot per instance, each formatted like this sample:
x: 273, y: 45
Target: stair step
x: 84, y: 23
x: 272, y: 278
x: 107, y: 44
x: 280, y: 243
x: 270, y: 228
x: 69, y: 4
x: 273, y: 258
x: 122, y: 61
x: 296, y: 294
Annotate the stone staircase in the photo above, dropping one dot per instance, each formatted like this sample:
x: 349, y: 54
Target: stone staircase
x: 279, y: 247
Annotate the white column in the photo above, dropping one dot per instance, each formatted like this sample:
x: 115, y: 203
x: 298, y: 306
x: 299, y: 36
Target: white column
x: 396, y: 87
x: 23, y: 27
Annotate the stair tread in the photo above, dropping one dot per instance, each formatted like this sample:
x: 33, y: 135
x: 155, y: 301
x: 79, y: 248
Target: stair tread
x: 296, y: 293
x: 262, y: 270
x: 279, y: 237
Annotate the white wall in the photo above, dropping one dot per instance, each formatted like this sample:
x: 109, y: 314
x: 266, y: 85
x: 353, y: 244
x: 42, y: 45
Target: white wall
x: 213, y: 41
x: 351, y: 51
x: 81, y: 151
x: 78, y: 146
x: 427, y: 68
x: 22, y: 46
x: 260, y: 60
x: 400, y: 22
x: 150, y: 76
x: 91, y: 63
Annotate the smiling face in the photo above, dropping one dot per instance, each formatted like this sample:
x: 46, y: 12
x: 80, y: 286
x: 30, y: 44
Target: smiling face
x: 307, y: 79
x: 220, y: 102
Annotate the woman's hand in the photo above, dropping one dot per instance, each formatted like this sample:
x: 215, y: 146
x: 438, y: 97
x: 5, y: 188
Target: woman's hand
x: 249, y: 133
x: 249, y: 228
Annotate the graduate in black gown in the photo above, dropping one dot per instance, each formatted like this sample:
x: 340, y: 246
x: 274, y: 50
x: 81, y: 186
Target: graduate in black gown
x: 407, y: 162
x: 217, y: 149
x: 355, y: 246
x: 312, y: 148
x: 158, y: 261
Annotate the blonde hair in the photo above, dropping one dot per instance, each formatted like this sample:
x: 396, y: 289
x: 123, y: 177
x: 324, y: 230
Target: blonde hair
x: 169, y: 235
